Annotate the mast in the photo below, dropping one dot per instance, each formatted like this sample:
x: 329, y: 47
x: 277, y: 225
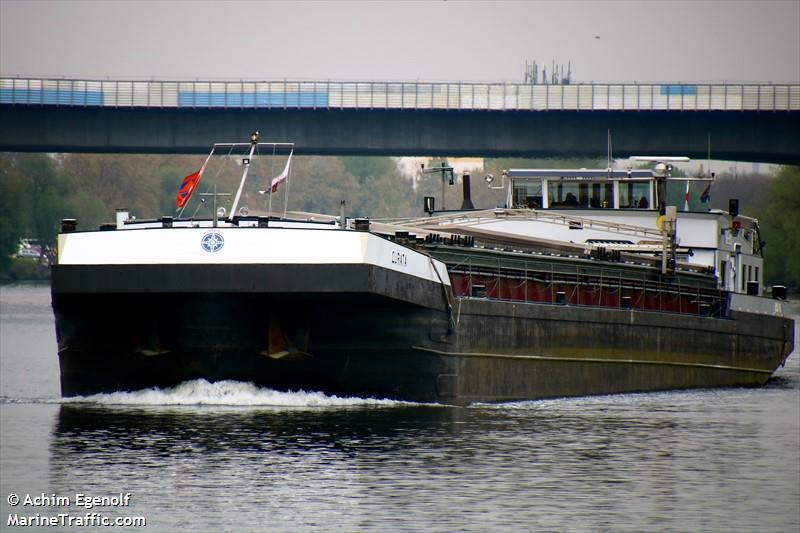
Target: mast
x: 253, y: 143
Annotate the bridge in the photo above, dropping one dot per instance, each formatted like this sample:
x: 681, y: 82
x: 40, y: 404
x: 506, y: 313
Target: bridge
x: 748, y: 122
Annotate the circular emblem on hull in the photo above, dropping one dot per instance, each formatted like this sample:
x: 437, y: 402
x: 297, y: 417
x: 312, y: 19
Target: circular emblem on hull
x: 212, y: 242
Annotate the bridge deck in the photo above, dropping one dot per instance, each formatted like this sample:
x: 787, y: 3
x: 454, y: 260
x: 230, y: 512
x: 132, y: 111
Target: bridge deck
x: 744, y: 122
x: 500, y: 96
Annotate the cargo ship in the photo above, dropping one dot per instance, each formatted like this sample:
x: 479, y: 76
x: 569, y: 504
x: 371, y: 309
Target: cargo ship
x: 585, y: 282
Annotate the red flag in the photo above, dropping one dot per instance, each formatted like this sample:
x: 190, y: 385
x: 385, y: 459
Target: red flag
x: 188, y: 186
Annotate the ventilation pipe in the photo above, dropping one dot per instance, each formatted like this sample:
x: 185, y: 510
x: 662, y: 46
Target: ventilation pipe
x: 467, y: 203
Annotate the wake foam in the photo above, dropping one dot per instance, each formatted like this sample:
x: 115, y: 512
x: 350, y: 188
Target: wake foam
x: 226, y: 393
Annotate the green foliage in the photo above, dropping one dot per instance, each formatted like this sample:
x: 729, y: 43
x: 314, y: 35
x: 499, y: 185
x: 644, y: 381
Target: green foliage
x: 365, y: 168
x: 778, y: 213
x: 747, y: 187
x: 45, y: 192
x: 87, y: 208
x: 135, y: 182
x: 10, y: 207
x: 319, y: 184
x: 26, y: 269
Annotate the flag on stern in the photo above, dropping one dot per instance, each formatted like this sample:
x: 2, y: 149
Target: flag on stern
x: 705, y: 197
x: 280, y: 178
x: 189, y: 184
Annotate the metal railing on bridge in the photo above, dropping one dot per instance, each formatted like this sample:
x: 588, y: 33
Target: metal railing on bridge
x: 501, y: 96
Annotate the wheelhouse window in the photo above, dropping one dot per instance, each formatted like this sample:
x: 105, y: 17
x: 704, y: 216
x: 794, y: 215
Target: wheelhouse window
x: 635, y: 195
x: 570, y: 194
x: 528, y: 193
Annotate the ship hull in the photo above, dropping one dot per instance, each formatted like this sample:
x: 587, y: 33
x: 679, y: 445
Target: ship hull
x: 509, y: 351
x: 353, y: 345
x: 352, y: 330
x: 341, y: 329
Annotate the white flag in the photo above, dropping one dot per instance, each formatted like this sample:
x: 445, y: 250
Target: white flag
x: 280, y: 178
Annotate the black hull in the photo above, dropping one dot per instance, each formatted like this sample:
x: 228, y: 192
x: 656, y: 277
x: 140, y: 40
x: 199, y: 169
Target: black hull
x: 365, y: 336
x: 344, y: 345
x: 508, y: 351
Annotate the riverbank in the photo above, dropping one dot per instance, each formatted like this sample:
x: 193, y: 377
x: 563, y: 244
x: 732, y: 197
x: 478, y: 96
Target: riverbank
x: 25, y: 269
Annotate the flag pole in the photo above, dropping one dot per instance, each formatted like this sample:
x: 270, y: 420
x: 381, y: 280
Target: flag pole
x: 253, y: 143
x: 286, y: 192
x: 275, y: 182
x: 686, y: 197
x: 269, y: 206
x: 269, y: 189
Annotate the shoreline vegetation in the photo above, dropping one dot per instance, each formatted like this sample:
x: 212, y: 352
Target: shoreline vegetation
x: 25, y: 269
x: 38, y: 190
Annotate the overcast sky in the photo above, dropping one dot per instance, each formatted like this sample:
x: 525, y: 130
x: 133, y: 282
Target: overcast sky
x: 431, y: 40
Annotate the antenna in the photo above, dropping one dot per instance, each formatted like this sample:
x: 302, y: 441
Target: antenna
x: 446, y: 171
x: 558, y: 74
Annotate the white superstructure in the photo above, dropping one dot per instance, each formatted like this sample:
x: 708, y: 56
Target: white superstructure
x: 293, y: 244
x: 622, y: 210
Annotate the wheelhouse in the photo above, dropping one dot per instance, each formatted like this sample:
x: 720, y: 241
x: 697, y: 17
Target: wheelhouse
x: 582, y: 189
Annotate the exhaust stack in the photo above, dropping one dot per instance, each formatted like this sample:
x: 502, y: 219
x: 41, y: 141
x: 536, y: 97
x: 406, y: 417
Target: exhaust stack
x: 467, y: 203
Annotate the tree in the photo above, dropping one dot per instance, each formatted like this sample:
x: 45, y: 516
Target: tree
x: 318, y: 184
x: 11, y: 201
x: 383, y: 191
x: 45, y: 196
x: 364, y: 168
x: 390, y: 195
x: 778, y: 213
x: 747, y: 187
x: 134, y: 182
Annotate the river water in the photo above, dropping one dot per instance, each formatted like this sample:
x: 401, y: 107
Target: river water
x: 232, y: 457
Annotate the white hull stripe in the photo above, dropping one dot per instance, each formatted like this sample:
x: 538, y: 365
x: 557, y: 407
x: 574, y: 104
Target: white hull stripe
x: 194, y: 246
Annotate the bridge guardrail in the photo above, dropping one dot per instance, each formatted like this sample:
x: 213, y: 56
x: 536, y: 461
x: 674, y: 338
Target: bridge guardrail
x: 501, y: 96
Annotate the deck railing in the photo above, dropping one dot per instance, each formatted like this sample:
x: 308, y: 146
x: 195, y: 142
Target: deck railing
x: 500, y: 96
x: 540, y: 282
